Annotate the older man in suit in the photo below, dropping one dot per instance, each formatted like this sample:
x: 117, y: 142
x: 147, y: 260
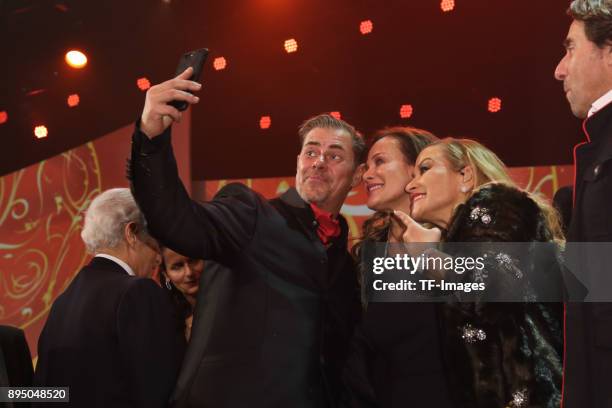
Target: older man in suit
x: 112, y: 336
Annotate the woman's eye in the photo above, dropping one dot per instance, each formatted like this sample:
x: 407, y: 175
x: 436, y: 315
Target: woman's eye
x: 423, y: 169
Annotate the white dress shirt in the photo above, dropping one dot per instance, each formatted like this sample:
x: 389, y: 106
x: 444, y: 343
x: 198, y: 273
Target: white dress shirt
x: 600, y: 103
x: 118, y: 261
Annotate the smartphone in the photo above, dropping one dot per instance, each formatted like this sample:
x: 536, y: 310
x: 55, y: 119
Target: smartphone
x: 194, y: 59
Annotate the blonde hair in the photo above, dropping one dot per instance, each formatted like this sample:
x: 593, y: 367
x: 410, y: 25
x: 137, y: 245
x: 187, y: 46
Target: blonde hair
x: 488, y: 168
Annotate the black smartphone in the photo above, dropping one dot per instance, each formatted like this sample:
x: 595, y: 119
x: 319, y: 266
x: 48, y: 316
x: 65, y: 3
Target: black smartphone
x: 194, y: 59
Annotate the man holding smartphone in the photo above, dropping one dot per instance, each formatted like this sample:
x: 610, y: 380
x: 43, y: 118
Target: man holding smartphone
x: 586, y: 72
x: 278, y: 308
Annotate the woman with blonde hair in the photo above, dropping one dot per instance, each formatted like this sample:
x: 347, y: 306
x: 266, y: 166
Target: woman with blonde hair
x: 467, y: 352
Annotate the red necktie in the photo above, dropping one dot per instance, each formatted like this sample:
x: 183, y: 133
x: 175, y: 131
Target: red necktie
x: 328, y: 226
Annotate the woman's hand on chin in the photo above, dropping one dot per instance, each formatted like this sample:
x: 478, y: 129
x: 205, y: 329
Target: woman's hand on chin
x: 415, y: 232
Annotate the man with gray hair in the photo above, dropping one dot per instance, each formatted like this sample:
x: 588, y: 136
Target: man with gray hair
x: 586, y: 72
x: 272, y: 325
x: 111, y: 337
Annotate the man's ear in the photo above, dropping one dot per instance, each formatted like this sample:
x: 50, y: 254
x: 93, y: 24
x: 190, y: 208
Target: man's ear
x: 358, y: 175
x: 607, y: 54
x: 468, y: 178
x: 129, y: 233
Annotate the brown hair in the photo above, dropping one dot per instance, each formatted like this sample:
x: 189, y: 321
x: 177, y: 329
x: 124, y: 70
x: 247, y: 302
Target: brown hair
x: 411, y: 141
x: 597, y: 18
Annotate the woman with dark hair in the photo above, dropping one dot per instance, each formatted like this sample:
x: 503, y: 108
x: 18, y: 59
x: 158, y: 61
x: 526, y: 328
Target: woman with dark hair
x: 395, y: 357
x: 180, y: 275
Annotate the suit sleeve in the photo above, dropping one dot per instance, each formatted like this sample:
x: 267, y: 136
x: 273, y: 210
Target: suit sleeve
x: 151, y: 343
x: 215, y: 230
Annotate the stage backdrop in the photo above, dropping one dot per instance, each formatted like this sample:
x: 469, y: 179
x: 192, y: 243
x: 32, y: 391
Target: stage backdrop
x: 41, y: 216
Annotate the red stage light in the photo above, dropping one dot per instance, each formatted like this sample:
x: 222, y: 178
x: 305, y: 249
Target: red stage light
x: 406, y: 111
x: 73, y: 100
x: 76, y: 59
x: 366, y: 27
x: 143, y: 83
x: 3, y: 117
x: 291, y: 45
x: 447, y: 5
x: 265, y: 122
x: 40, y: 131
x: 336, y: 115
x: 495, y: 105
x: 219, y: 63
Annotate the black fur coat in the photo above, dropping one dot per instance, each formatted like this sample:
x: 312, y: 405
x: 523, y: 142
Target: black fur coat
x: 505, y: 354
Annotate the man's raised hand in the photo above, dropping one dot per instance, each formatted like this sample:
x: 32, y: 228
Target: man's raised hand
x: 157, y: 115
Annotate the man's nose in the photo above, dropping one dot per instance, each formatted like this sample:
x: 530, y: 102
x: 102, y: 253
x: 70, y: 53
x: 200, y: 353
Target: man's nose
x: 560, y: 71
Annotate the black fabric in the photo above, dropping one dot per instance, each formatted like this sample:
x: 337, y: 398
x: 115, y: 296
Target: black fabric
x: 589, y: 325
x: 276, y: 307
x: 17, y: 359
x: 524, y: 341
x: 113, y: 339
x: 396, y: 359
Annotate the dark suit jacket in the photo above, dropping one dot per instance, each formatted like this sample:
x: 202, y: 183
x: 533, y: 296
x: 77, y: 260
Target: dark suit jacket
x: 15, y: 360
x: 113, y: 339
x: 275, y: 316
x: 589, y: 325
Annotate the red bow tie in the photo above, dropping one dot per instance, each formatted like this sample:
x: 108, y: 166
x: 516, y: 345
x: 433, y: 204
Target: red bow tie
x: 328, y: 225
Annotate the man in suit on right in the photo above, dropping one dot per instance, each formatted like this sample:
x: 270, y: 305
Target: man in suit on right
x: 586, y: 72
x: 111, y: 337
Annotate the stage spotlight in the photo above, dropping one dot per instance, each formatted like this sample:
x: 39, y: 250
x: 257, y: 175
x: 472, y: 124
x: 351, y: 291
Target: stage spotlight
x: 495, y: 105
x: 143, y: 83
x: 3, y: 117
x: 406, y: 111
x: 336, y: 115
x: 40, y: 131
x: 447, y: 5
x: 219, y: 63
x: 76, y: 59
x: 291, y: 45
x: 265, y: 122
x: 366, y: 27
x: 73, y: 100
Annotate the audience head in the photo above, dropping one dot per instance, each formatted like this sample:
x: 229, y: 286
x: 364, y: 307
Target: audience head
x: 181, y: 273
x: 115, y: 226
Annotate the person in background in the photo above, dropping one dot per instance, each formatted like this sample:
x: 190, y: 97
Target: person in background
x: 180, y: 276
x: 104, y: 332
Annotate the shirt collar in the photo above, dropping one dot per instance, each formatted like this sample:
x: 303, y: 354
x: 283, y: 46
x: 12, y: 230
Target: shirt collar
x: 600, y: 103
x: 118, y: 261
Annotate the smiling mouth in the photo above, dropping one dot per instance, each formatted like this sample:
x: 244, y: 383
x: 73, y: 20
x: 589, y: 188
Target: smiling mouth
x: 374, y: 187
x: 417, y: 197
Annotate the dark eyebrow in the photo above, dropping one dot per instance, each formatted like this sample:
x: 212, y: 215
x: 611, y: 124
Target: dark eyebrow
x: 332, y: 146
